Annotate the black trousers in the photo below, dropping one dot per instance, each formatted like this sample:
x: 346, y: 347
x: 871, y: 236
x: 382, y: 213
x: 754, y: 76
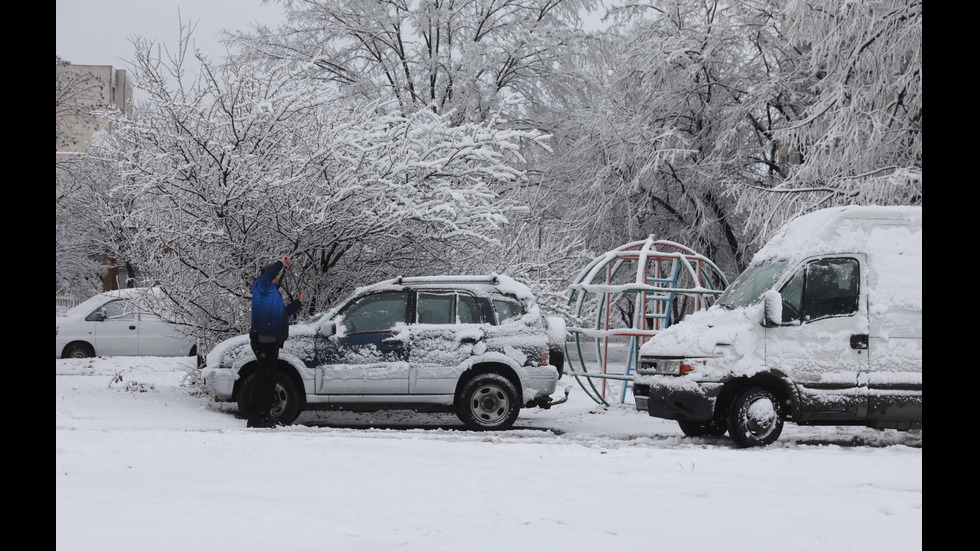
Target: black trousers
x: 267, y: 356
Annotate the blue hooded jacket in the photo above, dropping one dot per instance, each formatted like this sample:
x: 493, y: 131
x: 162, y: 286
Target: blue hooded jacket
x: 269, y: 316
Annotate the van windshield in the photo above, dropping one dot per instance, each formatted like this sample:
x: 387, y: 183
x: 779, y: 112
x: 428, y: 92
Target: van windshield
x: 748, y: 287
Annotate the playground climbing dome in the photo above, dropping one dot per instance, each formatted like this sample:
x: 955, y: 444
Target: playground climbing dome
x: 622, y: 299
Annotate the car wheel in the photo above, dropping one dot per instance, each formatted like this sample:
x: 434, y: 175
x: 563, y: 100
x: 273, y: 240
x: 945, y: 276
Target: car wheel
x: 711, y: 428
x: 488, y: 402
x: 756, y: 418
x: 78, y: 350
x: 286, y: 403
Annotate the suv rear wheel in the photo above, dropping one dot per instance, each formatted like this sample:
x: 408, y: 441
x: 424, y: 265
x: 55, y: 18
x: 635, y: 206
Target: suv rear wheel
x: 488, y: 402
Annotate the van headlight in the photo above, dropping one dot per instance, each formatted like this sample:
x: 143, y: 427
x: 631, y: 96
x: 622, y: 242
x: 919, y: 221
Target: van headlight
x: 669, y: 366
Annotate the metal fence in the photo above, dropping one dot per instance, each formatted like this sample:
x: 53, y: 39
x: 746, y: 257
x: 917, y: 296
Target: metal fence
x: 64, y: 303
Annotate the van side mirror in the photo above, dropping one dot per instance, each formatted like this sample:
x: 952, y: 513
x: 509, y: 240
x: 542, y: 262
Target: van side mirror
x: 328, y: 328
x: 772, y: 308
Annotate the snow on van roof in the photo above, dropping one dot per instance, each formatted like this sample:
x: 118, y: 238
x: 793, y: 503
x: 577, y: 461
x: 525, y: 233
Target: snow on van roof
x: 836, y: 230
x: 890, y: 237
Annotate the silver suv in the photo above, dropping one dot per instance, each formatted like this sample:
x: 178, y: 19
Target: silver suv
x: 477, y: 346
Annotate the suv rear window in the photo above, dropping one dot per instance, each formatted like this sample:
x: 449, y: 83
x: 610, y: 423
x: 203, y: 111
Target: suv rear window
x: 507, y: 308
x: 448, y: 308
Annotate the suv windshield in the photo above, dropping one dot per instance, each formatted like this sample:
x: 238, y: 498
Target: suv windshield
x: 748, y: 287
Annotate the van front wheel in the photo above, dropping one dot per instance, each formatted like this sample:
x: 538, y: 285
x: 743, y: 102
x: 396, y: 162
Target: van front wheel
x: 755, y: 418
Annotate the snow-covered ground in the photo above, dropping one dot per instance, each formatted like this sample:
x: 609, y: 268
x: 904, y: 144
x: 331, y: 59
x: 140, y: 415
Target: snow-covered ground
x: 145, y: 460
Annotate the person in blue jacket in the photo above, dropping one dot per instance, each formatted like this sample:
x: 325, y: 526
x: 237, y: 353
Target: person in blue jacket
x: 270, y: 329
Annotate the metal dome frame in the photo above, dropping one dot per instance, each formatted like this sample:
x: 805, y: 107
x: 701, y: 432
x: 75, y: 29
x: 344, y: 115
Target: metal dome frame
x: 658, y: 268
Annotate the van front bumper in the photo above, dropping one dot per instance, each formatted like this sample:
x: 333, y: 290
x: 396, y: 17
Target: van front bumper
x: 687, y: 403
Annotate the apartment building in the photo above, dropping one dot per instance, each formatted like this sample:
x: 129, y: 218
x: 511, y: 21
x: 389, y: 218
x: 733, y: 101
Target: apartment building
x: 113, y: 89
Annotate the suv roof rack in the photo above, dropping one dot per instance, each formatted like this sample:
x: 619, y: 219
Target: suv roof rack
x: 491, y: 278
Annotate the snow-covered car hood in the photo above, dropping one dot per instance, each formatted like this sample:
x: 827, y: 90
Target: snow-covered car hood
x: 735, y: 335
x: 225, y: 352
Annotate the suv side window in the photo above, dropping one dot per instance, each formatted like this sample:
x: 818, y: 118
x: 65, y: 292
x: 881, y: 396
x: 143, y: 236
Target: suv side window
x: 468, y: 309
x: 447, y: 308
x: 377, y: 312
x: 436, y: 308
x: 507, y: 308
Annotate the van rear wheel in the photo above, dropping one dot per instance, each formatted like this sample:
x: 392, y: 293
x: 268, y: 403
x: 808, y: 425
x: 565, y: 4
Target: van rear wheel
x: 755, y: 418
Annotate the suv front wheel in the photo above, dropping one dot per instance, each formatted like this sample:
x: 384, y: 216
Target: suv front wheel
x: 285, y: 405
x: 488, y: 402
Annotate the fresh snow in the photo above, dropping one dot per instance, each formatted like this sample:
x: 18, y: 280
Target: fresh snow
x: 145, y: 460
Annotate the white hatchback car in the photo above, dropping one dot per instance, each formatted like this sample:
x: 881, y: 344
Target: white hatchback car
x: 111, y: 324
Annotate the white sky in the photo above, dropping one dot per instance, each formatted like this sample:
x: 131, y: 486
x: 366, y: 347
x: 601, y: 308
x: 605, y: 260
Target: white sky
x: 97, y: 32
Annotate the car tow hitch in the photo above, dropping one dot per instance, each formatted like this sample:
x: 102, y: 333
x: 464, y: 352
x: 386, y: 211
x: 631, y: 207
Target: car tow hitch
x: 546, y: 402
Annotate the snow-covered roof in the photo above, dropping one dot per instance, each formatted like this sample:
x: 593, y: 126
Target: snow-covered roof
x: 86, y: 306
x: 834, y: 230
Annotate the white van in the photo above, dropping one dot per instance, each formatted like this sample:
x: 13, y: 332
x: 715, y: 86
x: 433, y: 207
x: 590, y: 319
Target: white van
x: 114, y: 324
x: 823, y: 328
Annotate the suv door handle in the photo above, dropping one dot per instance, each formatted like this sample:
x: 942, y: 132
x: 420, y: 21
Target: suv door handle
x: 859, y: 342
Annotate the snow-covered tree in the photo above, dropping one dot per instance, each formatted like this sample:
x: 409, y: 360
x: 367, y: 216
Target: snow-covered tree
x: 664, y: 123
x: 80, y: 232
x: 711, y: 123
x: 849, y: 112
x: 246, y: 163
x: 368, y: 139
x: 468, y: 58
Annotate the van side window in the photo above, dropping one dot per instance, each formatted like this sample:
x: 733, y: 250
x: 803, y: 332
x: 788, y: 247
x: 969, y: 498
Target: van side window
x: 792, y: 294
x: 831, y: 288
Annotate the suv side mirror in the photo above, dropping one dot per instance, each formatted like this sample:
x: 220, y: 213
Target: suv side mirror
x: 772, y: 308
x: 328, y: 328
